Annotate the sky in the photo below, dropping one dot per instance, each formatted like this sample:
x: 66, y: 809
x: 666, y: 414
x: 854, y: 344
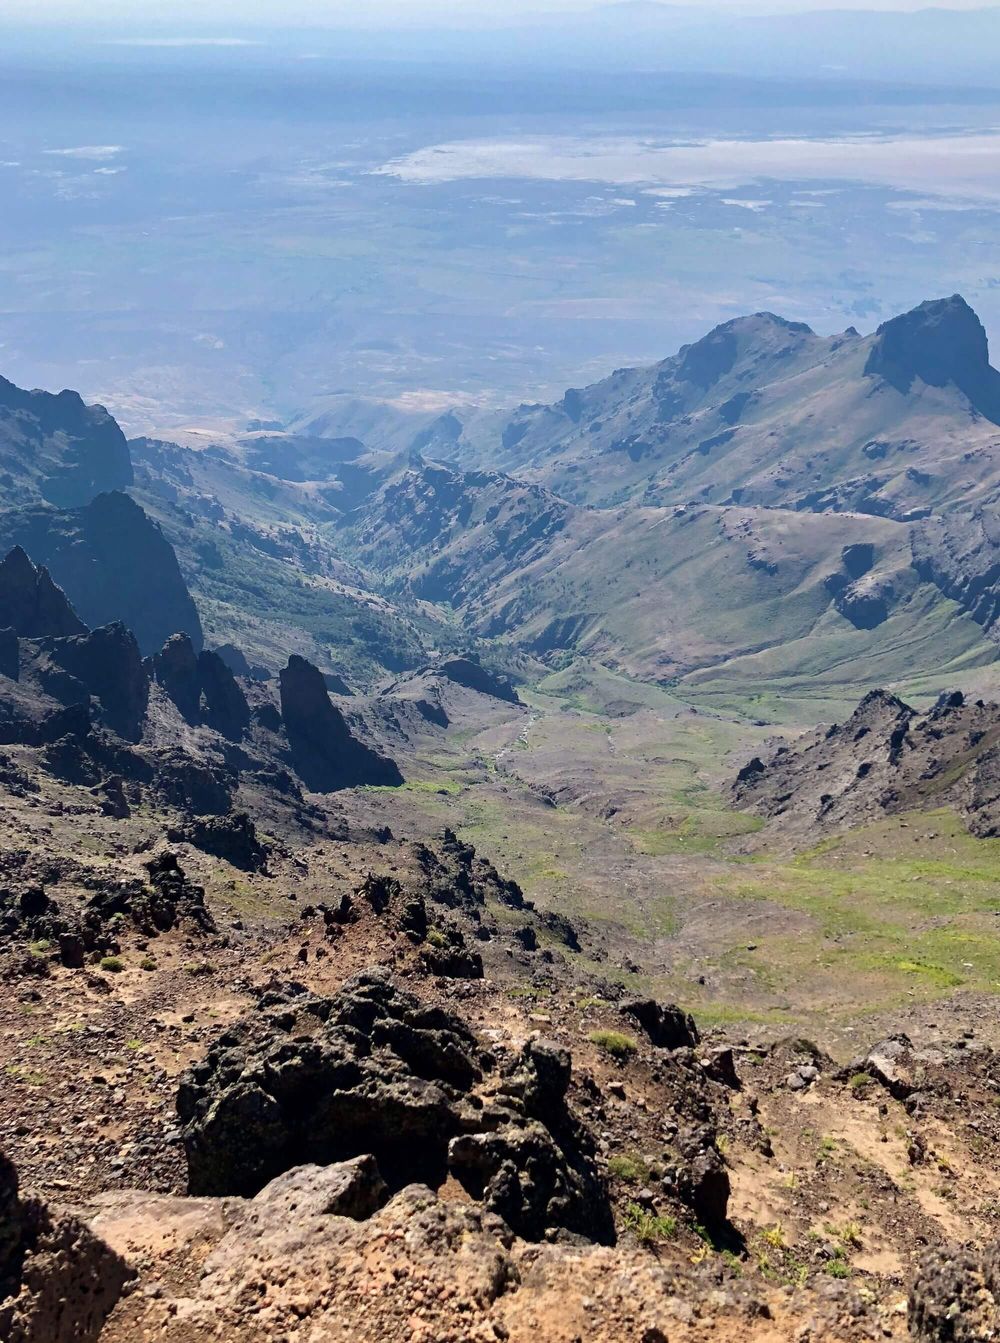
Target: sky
x: 162, y: 13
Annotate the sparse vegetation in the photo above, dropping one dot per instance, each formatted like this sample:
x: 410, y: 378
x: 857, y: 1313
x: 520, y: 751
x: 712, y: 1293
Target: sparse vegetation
x: 647, y: 1227
x: 114, y: 965
x: 615, y: 1043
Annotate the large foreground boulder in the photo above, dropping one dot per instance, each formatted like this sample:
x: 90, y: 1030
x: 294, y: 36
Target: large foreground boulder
x: 375, y: 1071
x: 955, y: 1296
x: 58, y: 1281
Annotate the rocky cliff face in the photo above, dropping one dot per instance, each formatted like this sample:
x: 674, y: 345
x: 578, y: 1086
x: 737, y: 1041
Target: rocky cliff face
x: 941, y: 342
x: 112, y: 562
x: 30, y: 603
x: 57, y: 449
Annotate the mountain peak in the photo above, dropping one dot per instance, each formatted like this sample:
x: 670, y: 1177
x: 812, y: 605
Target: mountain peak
x: 31, y: 603
x: 761, y: 335
x: 941, y: 341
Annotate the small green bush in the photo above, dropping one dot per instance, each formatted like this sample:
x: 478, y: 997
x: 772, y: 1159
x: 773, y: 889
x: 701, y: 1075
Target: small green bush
x: 616, y: 1044
x: 147, y: 963
x: 436, y: 938
x: 646, y: 1226
x: 113, y: 964
x: 627, y: 1168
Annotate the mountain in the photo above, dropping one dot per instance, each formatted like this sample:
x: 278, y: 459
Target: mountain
x: 113, y: 562
x: 769, y: 516
x: 56, y: 449
x: 762, y: 411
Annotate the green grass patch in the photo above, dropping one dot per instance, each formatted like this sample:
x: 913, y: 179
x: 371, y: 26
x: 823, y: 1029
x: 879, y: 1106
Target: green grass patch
x: 615, y: 1043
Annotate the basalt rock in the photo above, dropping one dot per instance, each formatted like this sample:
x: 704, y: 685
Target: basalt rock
x: 232, y: 837
x: 666, y: 1025
x: 326, y: 755
x: 193, y: 787
x: 225, y: 705
x: 955, y: 1296
x: 202, y: 687
x: 175, y: 667
x: 108, y: 664
x: 375, y: 1071
x: 31, y: 604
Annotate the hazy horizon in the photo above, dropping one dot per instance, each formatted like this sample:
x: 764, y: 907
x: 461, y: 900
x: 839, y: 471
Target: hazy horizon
x: 242, y: 14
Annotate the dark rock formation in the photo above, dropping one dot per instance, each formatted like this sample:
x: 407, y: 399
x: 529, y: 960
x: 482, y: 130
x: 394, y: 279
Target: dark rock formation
x: 113, y: 563
x: 955, y: 1295
x: 193, y: 786
x: 468, y: 673
x: 325, y: 753
x: 445, y: 953
x: 31, y: 604
x: 225, y: 708
x: 939, y: 342
x: 175, y: 667
x: 374, y: 1071
x: 108, y: 665
x: 58, y: 449
x: 202, y: 687
x: 58, y: 1281
x: 667, y: 1026
x: 232, y: 837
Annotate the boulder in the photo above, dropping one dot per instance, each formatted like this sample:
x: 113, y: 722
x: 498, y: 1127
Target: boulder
x: 667, y: 1026
x: 955, y: 1295
x: 373, y: 1071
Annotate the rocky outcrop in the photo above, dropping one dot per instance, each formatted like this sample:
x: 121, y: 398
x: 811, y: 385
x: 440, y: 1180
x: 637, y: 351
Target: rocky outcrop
x: 225, y: 706
x: 232, y: 837
x: 939, y: 342
x: 56, y: 448
x: 374, y: 1071
x: 326, y: 755
x: 193, y: 786
x: 58, y: 1281
x: 471, y: 674
x: 107, y: 663
x: 885, y: 759
x: 955, y: 1295
x: 667, y: 1026
x: 31, y: 604
x: 114, y: 564
x: 202, y: 687
x: 175, y: 667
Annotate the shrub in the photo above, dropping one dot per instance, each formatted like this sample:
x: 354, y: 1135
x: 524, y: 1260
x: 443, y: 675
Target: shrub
x: 646, y: 1226
x: 627, y: 1168
x: 113, y: 964
x: 616, y: 1044
x: 147, y: 963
